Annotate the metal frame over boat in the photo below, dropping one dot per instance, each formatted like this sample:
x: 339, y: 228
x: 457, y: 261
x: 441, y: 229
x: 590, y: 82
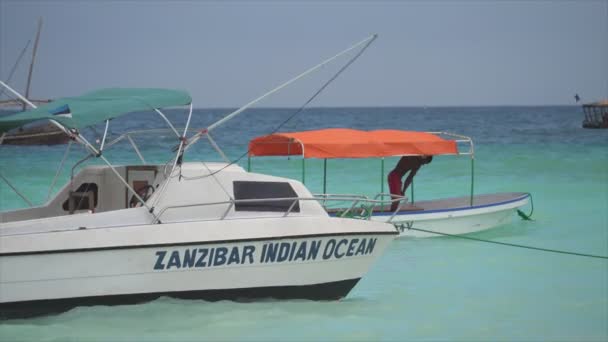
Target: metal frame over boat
x: 132, y: 233
x: 596, y: 114
x: 459, y: 215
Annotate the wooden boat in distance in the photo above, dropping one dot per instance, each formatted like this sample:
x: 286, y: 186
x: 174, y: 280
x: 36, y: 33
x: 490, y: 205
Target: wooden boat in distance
x: 43, y: 133
x: 459, y: 215
x: 596, y: 114
x: 36, y: 134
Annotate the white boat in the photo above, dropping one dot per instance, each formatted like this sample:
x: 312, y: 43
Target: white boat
x: 454, y: 216
x: 132, y: 233
x: 429, y: 218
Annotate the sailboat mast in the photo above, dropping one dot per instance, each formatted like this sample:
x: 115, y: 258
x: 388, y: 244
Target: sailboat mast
x: 29, y: 75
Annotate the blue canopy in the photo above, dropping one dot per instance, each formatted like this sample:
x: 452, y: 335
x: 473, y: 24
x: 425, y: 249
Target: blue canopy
x: 97, y: 106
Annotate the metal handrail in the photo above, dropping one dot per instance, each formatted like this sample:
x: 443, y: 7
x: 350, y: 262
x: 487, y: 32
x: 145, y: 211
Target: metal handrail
x: 143, y: 131
x: 340, y: 197
x: 232, y: 202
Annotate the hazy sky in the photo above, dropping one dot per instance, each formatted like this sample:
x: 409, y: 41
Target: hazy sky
x: 227, y: 53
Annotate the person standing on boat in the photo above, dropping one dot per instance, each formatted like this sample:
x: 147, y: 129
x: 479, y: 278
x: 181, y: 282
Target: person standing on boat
x: 405, y: 164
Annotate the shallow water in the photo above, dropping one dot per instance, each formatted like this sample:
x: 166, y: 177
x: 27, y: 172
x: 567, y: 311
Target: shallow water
x: 420, y: 289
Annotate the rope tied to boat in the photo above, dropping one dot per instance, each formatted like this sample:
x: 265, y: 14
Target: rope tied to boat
x: 549, y: 250
x: 524, y: 216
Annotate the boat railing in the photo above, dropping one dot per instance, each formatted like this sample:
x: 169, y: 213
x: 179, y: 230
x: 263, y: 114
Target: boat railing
x: 378, y: 199
x: 367, y: 205
x: 338, y: 198
x: 394, y: 198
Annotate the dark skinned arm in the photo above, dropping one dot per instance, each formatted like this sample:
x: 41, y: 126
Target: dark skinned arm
x: 409, y: 179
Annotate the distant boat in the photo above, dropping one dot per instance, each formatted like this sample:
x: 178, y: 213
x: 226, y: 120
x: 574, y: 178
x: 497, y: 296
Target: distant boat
x: 38, y: 133
x: 41, y: 134
x: 596, y: 114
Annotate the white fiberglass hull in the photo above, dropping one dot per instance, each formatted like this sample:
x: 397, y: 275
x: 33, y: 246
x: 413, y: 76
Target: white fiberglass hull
x: 323, y: 264
x: 456, y: 215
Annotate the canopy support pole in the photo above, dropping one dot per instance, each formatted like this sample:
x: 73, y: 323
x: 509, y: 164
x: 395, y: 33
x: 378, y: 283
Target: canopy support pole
x: 188, y: 121
x: 16, y: 191
x: 382, y: 175
x: 472, y: 152
x: 141, y: 157
x: 324, y: 176
x: 412, y: 190
x: 178, y: 160
x: 472, y: 179
x: 217, y: 148
x: 105, y: 134
x: 248, y: 163
x: 303, y: 170
x: 167, y: 121
x: 65, y: 157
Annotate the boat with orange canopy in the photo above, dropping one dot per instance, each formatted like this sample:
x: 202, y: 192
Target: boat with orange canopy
x: 456, y: 215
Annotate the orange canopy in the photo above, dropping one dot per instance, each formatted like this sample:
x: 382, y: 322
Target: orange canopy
x: 350, y: 143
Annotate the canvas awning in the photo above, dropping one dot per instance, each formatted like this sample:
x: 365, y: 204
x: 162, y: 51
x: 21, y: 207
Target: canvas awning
x: 97, y: 106
x: 350, y: 143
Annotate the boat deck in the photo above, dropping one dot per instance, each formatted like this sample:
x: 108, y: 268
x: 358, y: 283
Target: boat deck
x: 453, y: 203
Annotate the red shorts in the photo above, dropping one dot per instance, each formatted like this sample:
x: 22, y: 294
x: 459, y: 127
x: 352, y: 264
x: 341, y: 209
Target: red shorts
x: 394, y: 183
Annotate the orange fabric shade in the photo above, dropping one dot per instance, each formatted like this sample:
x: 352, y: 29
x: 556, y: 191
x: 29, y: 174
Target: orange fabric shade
x: 350, y: 143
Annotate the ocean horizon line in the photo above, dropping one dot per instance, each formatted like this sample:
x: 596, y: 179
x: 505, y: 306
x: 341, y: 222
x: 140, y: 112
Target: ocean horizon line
x: 393, y: 106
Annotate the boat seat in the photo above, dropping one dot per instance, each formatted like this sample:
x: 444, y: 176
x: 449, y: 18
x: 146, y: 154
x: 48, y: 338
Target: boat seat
x: 81, y: 200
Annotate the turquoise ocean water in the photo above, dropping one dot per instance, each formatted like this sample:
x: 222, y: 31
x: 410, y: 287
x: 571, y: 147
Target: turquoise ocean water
x: 421, y: 289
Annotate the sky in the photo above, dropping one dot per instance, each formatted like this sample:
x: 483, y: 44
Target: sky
x: 431, y: 53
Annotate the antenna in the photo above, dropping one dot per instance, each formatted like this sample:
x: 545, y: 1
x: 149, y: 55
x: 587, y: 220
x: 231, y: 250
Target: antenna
x: 367, y: 41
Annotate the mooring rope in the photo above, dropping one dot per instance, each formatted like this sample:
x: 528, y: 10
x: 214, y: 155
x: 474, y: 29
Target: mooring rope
x: 510, y: 244
x: 524, y: 216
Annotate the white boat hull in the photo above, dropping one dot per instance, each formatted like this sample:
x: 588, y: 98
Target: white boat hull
x: 456, y: 216
x: 320, y: 265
